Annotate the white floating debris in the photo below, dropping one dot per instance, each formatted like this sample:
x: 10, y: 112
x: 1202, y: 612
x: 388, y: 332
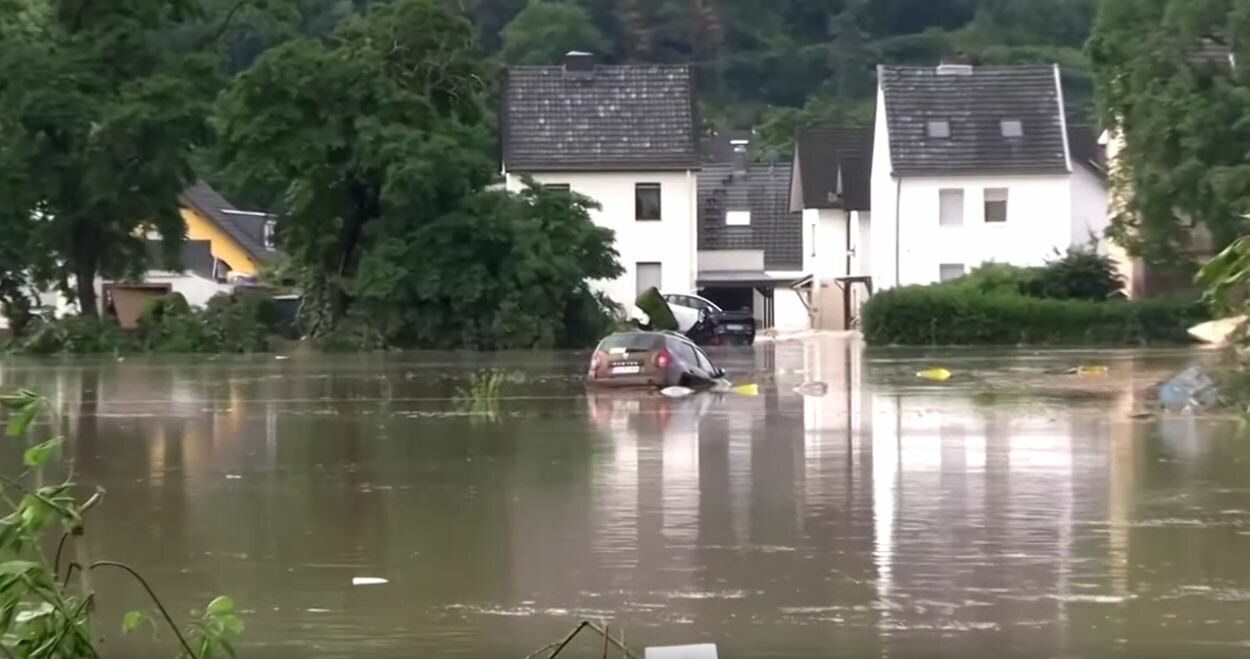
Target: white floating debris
x: 234, y: 477
x: 703, y: 651
x: 281, y: 357
x: 812, y: 389
x: 368, y: 581
x: 676, y: 392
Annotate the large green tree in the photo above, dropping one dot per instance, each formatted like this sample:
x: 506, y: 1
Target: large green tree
x: 104, y: 108
x: 546, y: 30
x: 1167, y: 86
x: 381, y: 142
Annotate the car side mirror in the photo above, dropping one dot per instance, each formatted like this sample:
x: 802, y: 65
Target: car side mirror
x: 718, y: 372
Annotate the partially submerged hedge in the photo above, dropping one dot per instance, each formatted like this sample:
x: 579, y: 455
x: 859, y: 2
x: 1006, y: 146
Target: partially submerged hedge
x: 955, y: 315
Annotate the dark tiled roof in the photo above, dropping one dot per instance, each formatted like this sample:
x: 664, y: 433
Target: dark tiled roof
x: 247, y: 230
x: 1086, y: 151
x: 974, y: 104
x: 619, y: 117
x: 764, y: 190
x: 826, y: 153
x: 196, y: 257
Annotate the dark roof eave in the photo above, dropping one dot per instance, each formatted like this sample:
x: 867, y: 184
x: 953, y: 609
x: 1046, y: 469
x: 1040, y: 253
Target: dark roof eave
x: 982, y: 171
x: 524, y: 168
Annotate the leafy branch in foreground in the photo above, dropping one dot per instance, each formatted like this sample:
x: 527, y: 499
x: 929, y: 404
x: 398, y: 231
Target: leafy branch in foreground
x: 44, y: 612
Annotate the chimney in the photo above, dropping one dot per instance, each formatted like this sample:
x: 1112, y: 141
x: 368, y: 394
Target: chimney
x: 742, y: 157
x: 956, y: 64
x: 579, y: 64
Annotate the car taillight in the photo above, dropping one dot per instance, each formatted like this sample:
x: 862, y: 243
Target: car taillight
x: 661, y: 359
x: 595, y: 362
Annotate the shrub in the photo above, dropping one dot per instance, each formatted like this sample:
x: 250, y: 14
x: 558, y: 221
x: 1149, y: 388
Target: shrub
x: 77, y: 335
x: 996, y: 278
x: 1081, y: 274
x: 951, y: 315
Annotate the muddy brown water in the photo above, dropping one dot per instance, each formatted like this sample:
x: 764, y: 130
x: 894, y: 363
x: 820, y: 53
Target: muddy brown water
x: 1006, y: 512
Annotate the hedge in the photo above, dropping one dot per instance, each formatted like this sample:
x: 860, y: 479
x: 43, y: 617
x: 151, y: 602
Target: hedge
x: 953, y: 315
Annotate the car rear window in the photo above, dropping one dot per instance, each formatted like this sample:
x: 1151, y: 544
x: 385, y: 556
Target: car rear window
x: 631, y: 342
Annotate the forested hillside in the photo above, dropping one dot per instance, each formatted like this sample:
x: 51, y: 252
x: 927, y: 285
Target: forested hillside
x: 771, y: 64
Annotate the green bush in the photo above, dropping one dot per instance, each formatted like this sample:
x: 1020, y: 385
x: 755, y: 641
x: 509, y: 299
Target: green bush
x: 996, y: 278
x: 1081, y: 274
x: 954, y: 315
x: 75, y: 335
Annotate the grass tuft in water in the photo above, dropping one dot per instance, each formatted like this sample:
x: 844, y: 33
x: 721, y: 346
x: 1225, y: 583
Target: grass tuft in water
x: 479, y: 398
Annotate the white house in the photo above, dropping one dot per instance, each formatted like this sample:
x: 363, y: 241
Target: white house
x: 831, y: 188
x: 625, y: 136
x: 977, y: 164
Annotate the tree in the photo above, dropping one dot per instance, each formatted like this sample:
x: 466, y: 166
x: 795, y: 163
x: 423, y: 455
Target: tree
x: 106, y: 111
x: 501, y: 271
x: 1166, y: 85
x: 544, y: 31
x: 377, y: 131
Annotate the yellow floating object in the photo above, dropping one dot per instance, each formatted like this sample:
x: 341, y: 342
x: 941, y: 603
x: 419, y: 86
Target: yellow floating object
x: 1092, y: 371
x: 746, y: 390
x: 935, y: 374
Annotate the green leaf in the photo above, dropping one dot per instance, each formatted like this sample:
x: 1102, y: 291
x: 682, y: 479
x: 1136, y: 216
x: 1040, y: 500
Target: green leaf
x: 17, y: 568
x: 131, y: 621
x: 220, y: 606
x: 38, y: 454
x: 233, y: 624
x: 21, y: 419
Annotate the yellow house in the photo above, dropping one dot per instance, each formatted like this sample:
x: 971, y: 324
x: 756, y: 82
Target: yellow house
x: 240, y: 241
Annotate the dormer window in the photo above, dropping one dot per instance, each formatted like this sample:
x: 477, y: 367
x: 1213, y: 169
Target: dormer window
x: 270, y: 237
x: 940, y: 129
x: 1012, y: 128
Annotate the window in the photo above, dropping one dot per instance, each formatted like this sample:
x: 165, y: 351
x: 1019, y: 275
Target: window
x: 951, y: 208
x: 996, y: 205
x: 941, y: 129
x: 557, y: 187
x: 650, y: 275
x: 270, y: 229
x: 949, y: 271
x: 647, y: 202
x: 700, y: 304
x: 1012, y: 128
x: 704, y: 362
x: 684, y: 351
x: 738, y: 218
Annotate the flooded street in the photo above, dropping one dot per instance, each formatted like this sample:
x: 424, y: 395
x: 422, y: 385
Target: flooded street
x: 1005, y: 512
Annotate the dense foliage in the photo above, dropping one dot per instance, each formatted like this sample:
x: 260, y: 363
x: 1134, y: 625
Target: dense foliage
x: 1168, y: 87
x: 945, y: 315
x: 239, y: 322
x: 1070, y: 301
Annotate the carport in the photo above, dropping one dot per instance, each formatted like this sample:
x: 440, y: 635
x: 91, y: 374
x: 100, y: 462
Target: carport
x: 729, y: 289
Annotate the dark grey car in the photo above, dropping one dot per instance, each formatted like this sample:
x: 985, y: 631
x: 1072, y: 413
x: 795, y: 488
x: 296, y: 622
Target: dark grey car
x: 651, y: 359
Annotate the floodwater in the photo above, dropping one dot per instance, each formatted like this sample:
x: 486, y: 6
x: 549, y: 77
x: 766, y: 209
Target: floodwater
x: 1007, y: 512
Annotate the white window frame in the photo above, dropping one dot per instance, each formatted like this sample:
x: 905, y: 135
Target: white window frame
x: 738, y: 218
x: 950, y: 193
x: 942, y: 268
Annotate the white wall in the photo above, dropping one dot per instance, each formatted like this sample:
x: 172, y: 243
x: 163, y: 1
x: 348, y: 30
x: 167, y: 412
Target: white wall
x: 1091, y: 208
x: 824, y: 242
x: 1039, y: 222
x: 789, y: 312
x: 862, y: 263
x: 670, y: 241
x: 885, y: 189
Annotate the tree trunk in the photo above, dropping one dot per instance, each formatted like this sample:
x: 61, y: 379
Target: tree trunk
x: 86, y: 265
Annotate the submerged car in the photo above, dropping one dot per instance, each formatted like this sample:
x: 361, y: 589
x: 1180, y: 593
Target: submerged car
x: 651, y: 359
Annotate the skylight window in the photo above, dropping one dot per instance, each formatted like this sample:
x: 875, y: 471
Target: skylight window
x: 1012, y: 128
x: 941, y: 129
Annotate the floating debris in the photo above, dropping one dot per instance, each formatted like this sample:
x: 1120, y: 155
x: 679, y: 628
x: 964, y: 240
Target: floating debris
x: 234, y: 477
x: 702, y: 651
x: 1191, y: 388
x: 676, y: 392
x: 746, y: 390
x: 368, y: 581
x: 935, y: 375
x: 812, y: 389
x: 281, y: 357
x: 1217, y: 332
x: 1092, y: 371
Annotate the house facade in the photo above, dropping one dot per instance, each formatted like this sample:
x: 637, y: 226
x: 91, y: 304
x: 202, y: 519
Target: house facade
x: 625, y: 136
x: 831, y: 189
x: 973, y: 165
x: 240, y: 241
x: 750, y: 242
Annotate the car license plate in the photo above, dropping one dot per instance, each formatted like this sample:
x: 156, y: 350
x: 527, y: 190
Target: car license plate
x: 631, y: 369
x: 736, y: 328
